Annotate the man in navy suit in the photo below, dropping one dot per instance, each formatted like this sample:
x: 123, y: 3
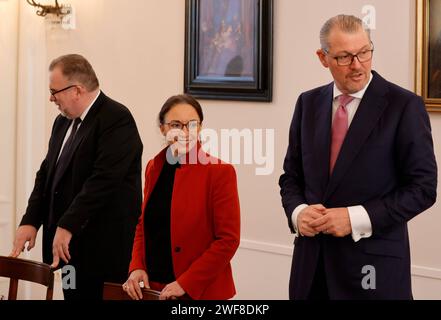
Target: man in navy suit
x: 360, y: 164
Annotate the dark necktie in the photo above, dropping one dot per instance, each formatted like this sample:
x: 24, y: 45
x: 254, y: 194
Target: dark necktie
x: 67, y: 149
x: 60, y: 168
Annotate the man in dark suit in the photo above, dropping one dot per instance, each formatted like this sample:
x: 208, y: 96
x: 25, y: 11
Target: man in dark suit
x: 87, y: 193
x: 359, y: 166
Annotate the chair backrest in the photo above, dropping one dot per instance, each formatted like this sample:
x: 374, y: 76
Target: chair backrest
x: 20, y: 269
x: 114, y: 291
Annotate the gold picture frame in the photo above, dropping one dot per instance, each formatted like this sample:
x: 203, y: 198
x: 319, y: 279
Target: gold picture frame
x: 428, y: 53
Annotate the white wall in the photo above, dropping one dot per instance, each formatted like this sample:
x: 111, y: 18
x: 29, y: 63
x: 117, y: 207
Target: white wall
x: 8, y: 94
x: 137, y: 50
x: 23, y: 118
x: 8, y: 90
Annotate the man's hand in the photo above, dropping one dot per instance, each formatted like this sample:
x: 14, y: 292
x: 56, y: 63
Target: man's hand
x: 60, y: 246
x: 171, y: 291
x: 24, y: 234
x: 335, y: 222
x: 307, y: 216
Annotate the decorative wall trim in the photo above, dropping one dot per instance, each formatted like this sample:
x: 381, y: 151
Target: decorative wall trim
x: 4, y: 223
x: 4, y: 200
x: 284, y: 250
x: 426, y: 272
x: 266, y: 247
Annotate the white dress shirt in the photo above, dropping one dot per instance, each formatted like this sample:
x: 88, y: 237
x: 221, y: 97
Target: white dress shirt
x: 359, y: 218
x: 82, y: 117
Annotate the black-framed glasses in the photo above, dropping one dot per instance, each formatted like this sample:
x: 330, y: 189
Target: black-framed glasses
x: 348, y: 59
x: 54, y: 92
x: 175, y: 124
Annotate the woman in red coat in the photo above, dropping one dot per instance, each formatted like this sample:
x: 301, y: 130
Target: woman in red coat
x: 189, y: 229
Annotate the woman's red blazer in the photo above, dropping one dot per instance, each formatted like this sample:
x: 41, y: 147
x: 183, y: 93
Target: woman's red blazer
x: 205, y: 225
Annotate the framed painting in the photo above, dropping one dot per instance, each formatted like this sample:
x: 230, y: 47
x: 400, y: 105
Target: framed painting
x: 229, y: 49
x: 428, y: 54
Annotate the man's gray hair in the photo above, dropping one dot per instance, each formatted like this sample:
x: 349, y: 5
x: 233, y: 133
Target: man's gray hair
x: 346, y: 23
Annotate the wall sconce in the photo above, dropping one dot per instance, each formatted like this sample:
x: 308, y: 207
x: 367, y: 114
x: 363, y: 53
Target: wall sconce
x: 44, y: 10
x: 56, y: 15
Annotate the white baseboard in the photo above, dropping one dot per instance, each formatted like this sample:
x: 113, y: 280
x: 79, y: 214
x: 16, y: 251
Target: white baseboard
x: 284, y: 250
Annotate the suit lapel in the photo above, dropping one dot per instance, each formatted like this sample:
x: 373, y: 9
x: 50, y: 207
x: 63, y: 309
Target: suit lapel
x: 369, y: 112
x: 322, y: 134
x: 82, y: 132
x: 58, y: 136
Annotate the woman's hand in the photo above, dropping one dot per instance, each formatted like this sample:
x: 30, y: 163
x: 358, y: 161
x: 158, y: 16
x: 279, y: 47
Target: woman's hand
x: 171, y: 291
x: 133, y: 284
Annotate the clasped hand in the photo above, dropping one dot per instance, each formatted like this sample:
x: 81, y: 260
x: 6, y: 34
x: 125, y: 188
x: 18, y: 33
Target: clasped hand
x: 315, y: 219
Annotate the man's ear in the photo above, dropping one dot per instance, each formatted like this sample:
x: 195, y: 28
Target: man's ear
x: 81, y: 90
x: 322, y: 56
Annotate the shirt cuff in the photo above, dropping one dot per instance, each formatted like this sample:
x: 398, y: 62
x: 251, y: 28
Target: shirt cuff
x: 360, y: 223
x: 294, y: 216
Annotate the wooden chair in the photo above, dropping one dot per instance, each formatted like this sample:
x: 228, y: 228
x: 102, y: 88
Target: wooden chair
x: 19, y: 269
x: 114, y: 291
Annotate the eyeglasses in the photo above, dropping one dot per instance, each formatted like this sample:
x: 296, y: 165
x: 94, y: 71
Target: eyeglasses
x: 174, y: 124
x: 348, y: 59
x: 54, y: 92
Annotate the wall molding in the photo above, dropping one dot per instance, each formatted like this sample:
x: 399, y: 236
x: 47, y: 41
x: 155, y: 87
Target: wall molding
x: 4, y: 223
x: 426, y: 272
x: 284, y: 250
x: 266, y: 247
x: 4, y: 200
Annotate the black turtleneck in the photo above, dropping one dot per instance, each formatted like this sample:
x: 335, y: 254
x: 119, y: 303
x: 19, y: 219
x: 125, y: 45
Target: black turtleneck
x: 157, y: 227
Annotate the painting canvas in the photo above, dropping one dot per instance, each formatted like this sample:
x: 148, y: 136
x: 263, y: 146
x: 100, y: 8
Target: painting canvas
x: 229, y: 49
x: 434, y: 50
x: 227, y: 32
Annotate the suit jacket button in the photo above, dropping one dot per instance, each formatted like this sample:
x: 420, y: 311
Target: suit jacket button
x: 178, y: 249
